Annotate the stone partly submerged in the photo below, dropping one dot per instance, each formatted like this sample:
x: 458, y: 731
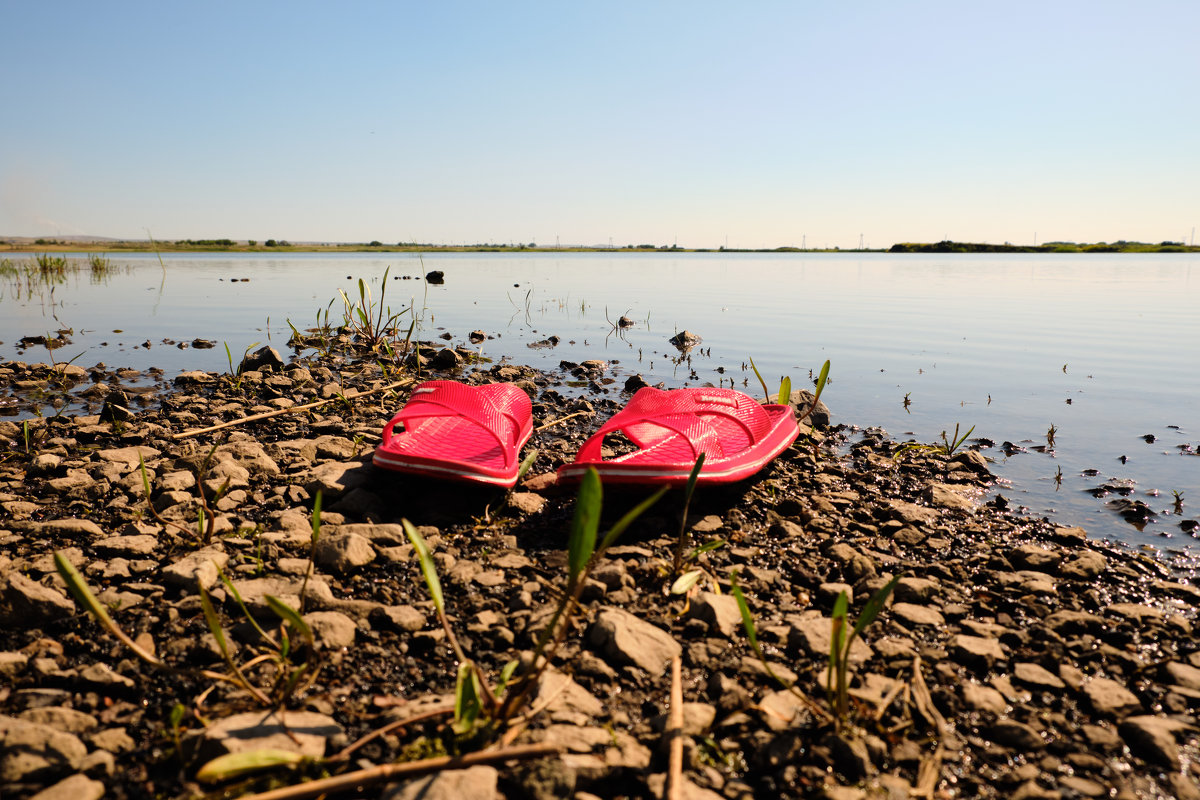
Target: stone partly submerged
x: 1014, y: 658
x: 685, y: 340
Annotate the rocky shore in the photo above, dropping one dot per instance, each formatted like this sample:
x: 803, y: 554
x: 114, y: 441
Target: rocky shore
x: 1014, y: 658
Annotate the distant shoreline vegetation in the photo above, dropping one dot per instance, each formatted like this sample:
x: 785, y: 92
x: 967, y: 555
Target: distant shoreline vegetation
x: 28, y: 244
x: 1048, y: 247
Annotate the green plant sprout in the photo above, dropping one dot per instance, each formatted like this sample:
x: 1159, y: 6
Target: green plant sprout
x: 687, y: 499
x: 837, y: 684
x: 281, y: 684
x: 369, y: 322
x: 949, y: 446
x: 235, y: 375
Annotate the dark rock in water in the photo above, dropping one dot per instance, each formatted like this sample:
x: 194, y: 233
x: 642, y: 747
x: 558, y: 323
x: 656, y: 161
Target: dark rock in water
x: 477, y: 336
x: 635, y: 382
x: 1150, y: 438
x: 264, y: 359
x: 203, y: 344
x: 116, y: 408
x: 1134, y: 512
x: 685, y: 340
x: 1010, y: 449
x: 446, y: 359
x: 447, y: 336
x: 551, y: 341
x: 624, y: 322
x: 1189, y: 525
x: 1121, y: 486
x: 436, y: 276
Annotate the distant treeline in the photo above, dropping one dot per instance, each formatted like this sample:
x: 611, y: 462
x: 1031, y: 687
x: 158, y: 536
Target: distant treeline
x: 1049, y: 247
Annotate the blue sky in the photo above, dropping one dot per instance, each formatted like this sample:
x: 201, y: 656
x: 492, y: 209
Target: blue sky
x: 760, y: 124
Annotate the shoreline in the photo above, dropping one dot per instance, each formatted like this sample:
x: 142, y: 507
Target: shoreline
x: 1014, y: 657
x: 26, y: 245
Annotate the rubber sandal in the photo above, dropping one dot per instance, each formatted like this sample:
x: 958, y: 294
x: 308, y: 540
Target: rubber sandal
x: 466, y: 433
x: 737, y: 435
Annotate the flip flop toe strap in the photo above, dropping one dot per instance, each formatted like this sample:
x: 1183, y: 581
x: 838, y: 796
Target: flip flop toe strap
x: 686, y: 412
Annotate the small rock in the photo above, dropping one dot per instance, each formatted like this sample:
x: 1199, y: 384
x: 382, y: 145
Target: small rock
x: 720, y: 611
x: 626, y: 639
x: 527, y: 502
x: 1032, y: 557
x: 912, y: 614
x: 76, y: 787
x: 343, y: 552
x: 404, y: 618
x: 1153, y: 738
x: 1110, y: 698
x: 303, y: 732
x: 332, y: 628
x: 941, y: 496
x: 473, y: 783
x: 261, y: 360
x: 1038, y: 676
x: 29, y: 751
x: 200, y: 567
x: 685, y: 340
x: 1086, y: 566
x: 983, y: 698
x: 29, y: 604
x: 916, y: 590
x: 1016, y: 735
x: 814, y: 636
x: 976, y: 650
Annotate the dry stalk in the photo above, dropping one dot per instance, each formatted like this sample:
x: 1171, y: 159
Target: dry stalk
x: 675, y: 734
x: 359, y: 779
x: 294, y: 409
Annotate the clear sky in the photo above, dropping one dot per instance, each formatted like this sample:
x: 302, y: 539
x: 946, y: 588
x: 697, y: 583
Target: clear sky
x: 759, y: 124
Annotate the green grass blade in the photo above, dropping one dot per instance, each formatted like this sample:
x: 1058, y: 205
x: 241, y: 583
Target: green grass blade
x: 584, y: 524
x: 785, y: 390
x: 290, y: 616
x: 629, y: 517
x: 237, y: 596
x: 467, y: 703
x: 766, y: 392
x: 233, y: 765
x: 505, y: 676
x: 316, y: 517
x: 705, y: 548
x: 79, y: 590
x: 526, y: 463
x: 691, y: 481
x: 822, y: 379
x: 427, y: 566
x: 145, y: 476
x: 744, y: 608
x: 214, y: 623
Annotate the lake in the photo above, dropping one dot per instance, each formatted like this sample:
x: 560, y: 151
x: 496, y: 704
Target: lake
x: 1103, y: 347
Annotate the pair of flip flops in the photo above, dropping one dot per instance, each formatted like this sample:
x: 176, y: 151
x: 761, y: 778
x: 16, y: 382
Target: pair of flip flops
x: 475, y: 433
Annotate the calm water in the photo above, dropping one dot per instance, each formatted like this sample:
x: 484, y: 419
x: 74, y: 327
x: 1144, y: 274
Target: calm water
x: 999, y: 342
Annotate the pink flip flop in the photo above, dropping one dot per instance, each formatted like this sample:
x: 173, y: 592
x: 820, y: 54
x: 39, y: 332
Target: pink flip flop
x: 452, y: 430
x: 737, y: 435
